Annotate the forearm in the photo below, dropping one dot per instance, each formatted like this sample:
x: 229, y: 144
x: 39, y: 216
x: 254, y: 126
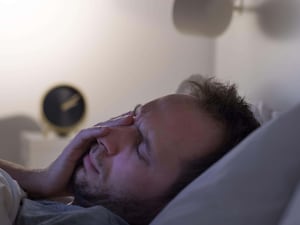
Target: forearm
x: 31, y: 181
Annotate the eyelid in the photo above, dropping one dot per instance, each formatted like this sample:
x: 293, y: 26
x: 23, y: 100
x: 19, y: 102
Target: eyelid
x: 140, y: 135
x: 139, y: 141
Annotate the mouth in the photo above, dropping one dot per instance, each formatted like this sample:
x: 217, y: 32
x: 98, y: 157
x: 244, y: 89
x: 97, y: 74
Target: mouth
x: 89, y: 162
x: 89, y: 165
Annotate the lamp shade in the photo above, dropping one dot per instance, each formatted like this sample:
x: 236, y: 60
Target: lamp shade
x: 202, y: 17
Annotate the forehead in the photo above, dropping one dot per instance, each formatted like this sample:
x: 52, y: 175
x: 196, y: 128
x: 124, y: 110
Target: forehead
x: 170, y: 104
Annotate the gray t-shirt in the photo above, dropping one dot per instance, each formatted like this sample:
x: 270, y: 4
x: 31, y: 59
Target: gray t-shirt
x: 56, y: 213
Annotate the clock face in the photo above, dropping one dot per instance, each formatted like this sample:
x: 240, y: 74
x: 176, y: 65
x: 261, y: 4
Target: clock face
x: 63, y: 108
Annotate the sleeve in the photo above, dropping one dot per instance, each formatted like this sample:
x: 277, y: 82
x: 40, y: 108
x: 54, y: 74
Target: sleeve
x: 11, y: 195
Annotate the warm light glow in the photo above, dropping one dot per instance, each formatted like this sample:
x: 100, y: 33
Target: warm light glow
x: 7, y: 2
x: 34, y: 31
x: 22, y: 19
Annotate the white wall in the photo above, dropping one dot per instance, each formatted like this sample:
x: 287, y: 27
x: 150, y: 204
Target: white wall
x: 119, y: 53
x: 260, y: 52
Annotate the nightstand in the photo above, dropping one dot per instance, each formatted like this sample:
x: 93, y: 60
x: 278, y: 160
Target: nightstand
x: 39, y: 150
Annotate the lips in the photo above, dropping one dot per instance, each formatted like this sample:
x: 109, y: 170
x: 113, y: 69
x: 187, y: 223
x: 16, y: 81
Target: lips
x: 89, y: 165
x: 91, y: 160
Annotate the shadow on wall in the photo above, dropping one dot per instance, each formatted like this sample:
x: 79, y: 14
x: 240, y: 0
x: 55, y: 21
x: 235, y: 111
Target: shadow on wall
x: 202, y: 17
x: 11, y: 129
x: 211, y: 18
x: 280, y: 18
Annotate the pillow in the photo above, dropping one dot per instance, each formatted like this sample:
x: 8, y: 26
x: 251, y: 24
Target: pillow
x: 250, y: 185
x: 262, y: 112
x: 292, y: 216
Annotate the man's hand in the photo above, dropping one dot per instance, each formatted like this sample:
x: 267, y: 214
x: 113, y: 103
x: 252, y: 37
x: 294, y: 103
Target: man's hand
x: 54, y: 180
x: 59, y: 173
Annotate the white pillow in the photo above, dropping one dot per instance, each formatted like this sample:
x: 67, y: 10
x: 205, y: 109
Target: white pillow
x: 291, y: 215
x: 262, y: 112
x: 251, y: 185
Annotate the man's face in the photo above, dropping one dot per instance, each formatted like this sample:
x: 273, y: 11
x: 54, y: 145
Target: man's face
x: 142, y: 160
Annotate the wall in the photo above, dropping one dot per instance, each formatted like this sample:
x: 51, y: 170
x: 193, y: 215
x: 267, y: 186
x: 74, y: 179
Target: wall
x: 119, y: 53
x: 260, y: 52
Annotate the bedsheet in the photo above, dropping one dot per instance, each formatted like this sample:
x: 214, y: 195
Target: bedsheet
x: 56, y: 213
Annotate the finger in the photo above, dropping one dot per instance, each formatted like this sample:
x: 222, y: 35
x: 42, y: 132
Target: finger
x: 82, y: 141
x: 130, y: 113
x: 86, y: 136
x: 90, y: 134
x: 122, y: 115
x: 119, y: 121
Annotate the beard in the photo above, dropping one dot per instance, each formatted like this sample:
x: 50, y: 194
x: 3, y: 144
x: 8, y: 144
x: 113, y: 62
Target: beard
x: 84, y: 194
x: 134, y: 211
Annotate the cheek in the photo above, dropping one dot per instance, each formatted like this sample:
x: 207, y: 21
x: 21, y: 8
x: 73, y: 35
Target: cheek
x: 137, y: 179
x: 126, y: 170
x: 129, y: 176
x: 88, y: 182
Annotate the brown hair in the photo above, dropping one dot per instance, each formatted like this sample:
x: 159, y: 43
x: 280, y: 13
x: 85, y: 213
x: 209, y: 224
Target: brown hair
x: 222, y: 102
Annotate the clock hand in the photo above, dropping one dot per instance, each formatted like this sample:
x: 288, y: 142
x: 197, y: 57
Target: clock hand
x: 70, y: 103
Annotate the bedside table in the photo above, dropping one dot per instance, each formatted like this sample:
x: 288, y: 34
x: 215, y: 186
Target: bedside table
x: 39, y: 150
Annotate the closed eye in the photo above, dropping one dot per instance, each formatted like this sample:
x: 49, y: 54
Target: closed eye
x: 138, y: 143
x: 139, y: 147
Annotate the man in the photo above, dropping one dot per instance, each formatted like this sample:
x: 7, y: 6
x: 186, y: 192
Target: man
x: 135, y: 164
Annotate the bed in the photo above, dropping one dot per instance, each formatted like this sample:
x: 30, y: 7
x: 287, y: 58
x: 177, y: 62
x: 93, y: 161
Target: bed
x: 257, y: 183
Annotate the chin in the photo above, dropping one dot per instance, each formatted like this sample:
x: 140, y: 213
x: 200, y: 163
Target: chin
x: 84, y: 193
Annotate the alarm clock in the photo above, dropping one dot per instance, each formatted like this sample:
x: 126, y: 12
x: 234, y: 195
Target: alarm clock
x: 63, y: 109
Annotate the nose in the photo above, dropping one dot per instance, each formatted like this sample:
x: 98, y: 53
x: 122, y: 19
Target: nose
x: 119, y: 139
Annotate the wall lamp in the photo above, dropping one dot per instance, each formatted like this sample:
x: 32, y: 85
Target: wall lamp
x: 207, y: 17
